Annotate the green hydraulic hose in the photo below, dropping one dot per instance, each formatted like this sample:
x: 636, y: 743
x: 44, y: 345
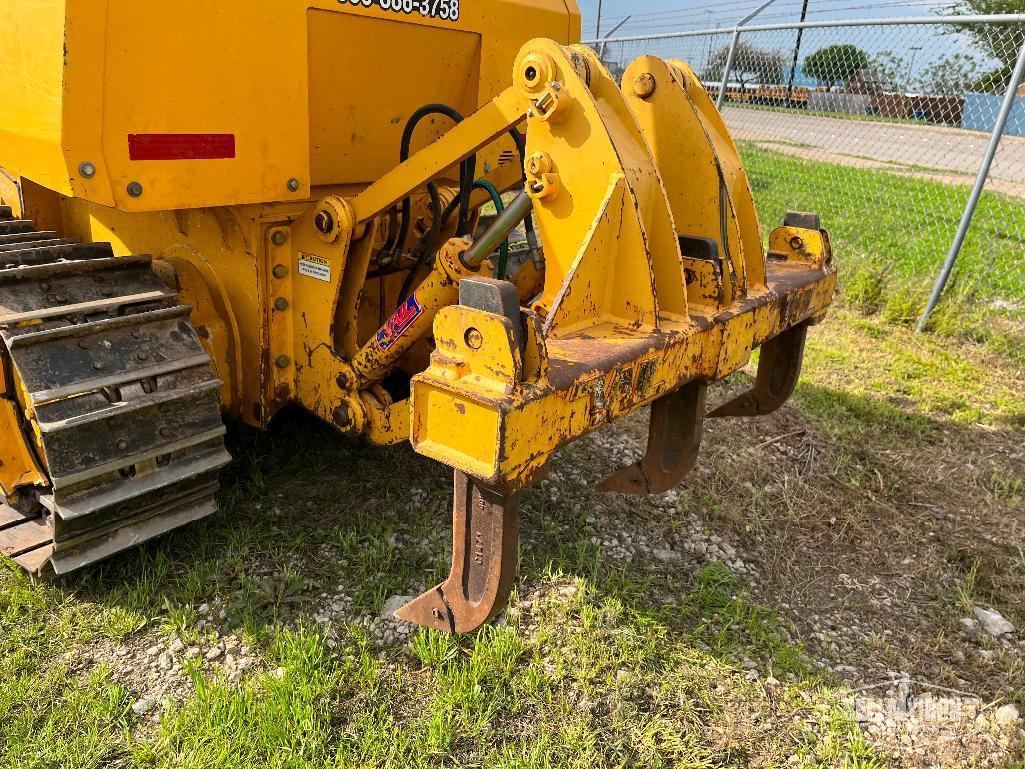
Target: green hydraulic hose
x: 503, y: 254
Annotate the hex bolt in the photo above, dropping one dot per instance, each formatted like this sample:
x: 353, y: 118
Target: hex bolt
x: 279, y: 238
x: 281, y: 304
x: 282, y: 361
x: 293, y: 185
x: 796, y: 242
x: 474, y: 339
x: 342, y: 380
x: 135, y: 189
x: 142, y: 354
x: 87, y: 169
x: 137, y: 333
x: 644, y: 85
x: 280, y: 271
x: 540, y: 163
x: 122, y: 444
x: 324, y: 222
x: 83, y: 344
x: 165, y: 432
x: 282, y: 393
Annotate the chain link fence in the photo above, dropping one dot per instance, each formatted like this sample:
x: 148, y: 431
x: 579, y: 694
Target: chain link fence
x: 882, y: 126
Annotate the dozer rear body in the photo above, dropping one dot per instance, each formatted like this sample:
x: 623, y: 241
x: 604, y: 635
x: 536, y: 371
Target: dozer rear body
x: 308, y: 184
x: 224, y: 103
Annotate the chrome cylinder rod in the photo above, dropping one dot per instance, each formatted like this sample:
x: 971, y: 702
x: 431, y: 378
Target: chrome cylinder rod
x: 506, y: 222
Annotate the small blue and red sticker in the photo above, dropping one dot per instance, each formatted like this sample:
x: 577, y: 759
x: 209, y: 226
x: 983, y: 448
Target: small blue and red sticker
x: 399, y: 323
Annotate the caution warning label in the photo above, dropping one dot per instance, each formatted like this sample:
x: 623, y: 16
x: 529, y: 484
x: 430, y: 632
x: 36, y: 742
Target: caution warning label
x: 313, y: 266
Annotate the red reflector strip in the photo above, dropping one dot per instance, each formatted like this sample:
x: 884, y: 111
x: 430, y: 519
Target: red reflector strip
x: 181, y: 146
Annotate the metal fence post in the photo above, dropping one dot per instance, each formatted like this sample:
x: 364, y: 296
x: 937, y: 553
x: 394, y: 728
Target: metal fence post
x: 728, y: 68
x: 605, y: 40
x: 733, y: 50
x: 980, y: 184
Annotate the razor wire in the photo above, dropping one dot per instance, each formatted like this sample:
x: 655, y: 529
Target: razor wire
x: 881, y: 126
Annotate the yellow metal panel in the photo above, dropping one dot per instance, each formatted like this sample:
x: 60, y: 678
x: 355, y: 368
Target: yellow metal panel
x: 196, y: 67
x: 356, y: 122
x: 18, y: 466
x: 457, y: 430
x: 78, y: 77
x: 620, y: 287
x: 31, y: 83
x: 10, y: 194
x: 591, y: 144
x: 705, y: 181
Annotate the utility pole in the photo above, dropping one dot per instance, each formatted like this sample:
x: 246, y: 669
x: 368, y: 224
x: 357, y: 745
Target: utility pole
x: 708, y: 25
x: 911, y: 67
x: 797, y: 53
x: 597, y: 27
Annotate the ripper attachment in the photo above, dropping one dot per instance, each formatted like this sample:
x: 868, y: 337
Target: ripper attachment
x: 618, y: 317
x: 674, y: 440
x: 779, y: 367
x: 485, y: 536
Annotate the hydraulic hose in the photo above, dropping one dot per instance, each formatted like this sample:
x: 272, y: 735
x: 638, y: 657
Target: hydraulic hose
x: 503, y: 256
x: 426, y: 245
x: 466, y: 173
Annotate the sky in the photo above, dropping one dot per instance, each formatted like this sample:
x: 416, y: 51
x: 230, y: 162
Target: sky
x: 655, y: 16
x: 916, y: 48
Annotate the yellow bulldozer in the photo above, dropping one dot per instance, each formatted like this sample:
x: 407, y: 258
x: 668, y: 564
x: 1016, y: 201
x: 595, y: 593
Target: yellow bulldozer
x: 435, y: 221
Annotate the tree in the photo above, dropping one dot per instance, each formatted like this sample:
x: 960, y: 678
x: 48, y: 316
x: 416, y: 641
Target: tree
x: 836, y: 63
x: 892, y: 70
x: 750, y: 64
x: 997, y: 41
x: 952, y: 75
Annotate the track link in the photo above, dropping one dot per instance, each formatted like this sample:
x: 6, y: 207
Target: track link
x: 120, y: 401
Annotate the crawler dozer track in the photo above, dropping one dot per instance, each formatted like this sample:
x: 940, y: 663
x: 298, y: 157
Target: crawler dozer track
x: 114, y: 398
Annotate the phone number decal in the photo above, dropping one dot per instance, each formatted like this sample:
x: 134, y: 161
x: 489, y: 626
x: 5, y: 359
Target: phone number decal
x: 431, y: 9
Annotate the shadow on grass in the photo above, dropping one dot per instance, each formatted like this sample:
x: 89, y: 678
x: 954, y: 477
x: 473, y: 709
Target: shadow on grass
x: 612, y: 660
x: 307, y: 512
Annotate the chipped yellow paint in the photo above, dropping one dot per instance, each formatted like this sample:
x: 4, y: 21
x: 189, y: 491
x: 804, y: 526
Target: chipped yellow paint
x: 617, y: 325
x: 18, y: 465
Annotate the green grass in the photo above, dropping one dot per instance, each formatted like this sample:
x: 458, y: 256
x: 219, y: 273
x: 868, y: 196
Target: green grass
x: 602, y: 680
x: 597, y: 663
x: 588, y: 670
x: 891, y: 234
x: 875, y: 380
